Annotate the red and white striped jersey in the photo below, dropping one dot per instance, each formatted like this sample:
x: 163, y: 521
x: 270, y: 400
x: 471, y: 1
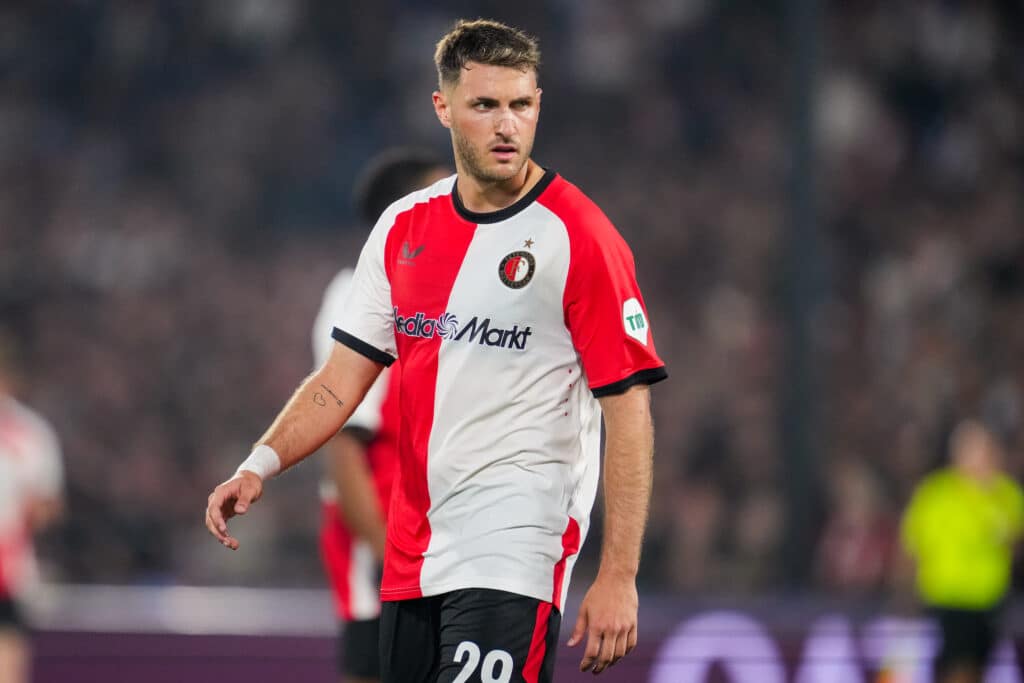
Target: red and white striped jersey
x: 508, y: 325
x: 30, y: 469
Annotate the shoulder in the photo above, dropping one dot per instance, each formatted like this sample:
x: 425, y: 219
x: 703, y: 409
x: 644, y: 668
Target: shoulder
x: 32, y: 423
x: 936, y: 483
x: 585, y: 222
x: 334, y: 299
x: 339, y: 285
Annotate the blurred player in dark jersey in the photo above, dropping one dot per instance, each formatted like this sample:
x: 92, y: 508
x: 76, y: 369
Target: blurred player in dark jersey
x: 512, y: 303
x: 31, y: 478
x: 363, y: 457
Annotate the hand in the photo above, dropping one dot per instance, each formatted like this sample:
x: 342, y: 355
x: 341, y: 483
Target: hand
x: 608, y: 617
x: 231, y: 498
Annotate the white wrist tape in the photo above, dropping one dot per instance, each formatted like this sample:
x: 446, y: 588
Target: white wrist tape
x: 263, y: 461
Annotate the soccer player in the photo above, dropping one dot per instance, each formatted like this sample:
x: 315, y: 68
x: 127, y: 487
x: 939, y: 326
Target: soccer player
x: 960, y: 528
x: 512, y: 303
x: 31, y: 478
x: 363, y: 457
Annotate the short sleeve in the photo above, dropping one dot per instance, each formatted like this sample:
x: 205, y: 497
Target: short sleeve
x: 605, y: 311
x: 365, y: 322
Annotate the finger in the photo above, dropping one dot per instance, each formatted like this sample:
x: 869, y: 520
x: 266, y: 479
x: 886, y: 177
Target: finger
x: 620, y: 648
x: 607, y: 652
x: 214, y: 521
x: 218, y: 500
x: 593, y: 650
x: 246, y: 493
x: 211, y: 526
x: 223, y: 538
x: 631, y: 639
x: 579, y: 629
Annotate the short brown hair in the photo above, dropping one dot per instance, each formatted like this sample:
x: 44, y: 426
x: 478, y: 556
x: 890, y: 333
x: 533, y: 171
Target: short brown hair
x: 485, y: 42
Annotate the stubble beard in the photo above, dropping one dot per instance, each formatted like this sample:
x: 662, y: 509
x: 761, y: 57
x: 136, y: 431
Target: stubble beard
x: 470, y: 160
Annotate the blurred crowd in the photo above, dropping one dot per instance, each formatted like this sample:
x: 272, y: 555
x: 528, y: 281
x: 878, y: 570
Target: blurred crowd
x: 177, y: 195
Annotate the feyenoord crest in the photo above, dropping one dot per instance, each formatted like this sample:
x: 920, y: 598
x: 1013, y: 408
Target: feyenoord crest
x: 516, y: 269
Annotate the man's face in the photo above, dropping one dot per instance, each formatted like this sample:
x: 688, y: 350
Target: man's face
x: 492, y: 112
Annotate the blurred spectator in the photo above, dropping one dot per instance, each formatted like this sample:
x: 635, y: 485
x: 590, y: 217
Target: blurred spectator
x: 856, y: 552
x: 960, y: 529
x: 31, y: 477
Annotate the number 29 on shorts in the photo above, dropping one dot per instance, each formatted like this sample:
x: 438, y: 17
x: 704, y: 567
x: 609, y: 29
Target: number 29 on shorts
x: 496, y: 667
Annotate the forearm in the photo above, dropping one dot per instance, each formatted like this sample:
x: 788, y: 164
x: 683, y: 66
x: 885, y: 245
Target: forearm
x: 320, y: 406
x: 628, y: 461
x: 357, y: 493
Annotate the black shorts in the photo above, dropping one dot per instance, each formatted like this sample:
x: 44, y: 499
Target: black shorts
x: 968, y: 636
x: 359, y: 649
x: 486, y: 635
x: 10, y: 616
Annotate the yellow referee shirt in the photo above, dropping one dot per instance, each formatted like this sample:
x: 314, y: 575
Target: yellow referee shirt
x: 961, y: 534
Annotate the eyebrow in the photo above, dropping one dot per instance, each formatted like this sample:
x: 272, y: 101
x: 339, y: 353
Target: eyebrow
x: 491, y: 102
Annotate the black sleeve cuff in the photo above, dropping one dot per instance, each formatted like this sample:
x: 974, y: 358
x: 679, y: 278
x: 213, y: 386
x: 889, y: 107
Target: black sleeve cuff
x: 359, y: 346
x: 649, y: 376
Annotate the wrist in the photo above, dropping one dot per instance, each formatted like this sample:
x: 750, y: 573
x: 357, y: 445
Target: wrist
x: 617, y: 572
x: 264, y: 462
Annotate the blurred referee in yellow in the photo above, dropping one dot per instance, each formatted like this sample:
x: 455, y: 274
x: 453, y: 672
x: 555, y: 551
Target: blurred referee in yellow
x: 960, y: 528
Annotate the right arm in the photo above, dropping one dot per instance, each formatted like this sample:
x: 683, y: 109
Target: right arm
x: 315, y: 413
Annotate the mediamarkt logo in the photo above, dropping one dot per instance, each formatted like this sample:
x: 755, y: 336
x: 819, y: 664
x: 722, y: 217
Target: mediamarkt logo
x: 447, y: 327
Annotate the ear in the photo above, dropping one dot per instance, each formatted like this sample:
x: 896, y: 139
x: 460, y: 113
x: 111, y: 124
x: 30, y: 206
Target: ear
x: 441, y: 109
x: 539, y: 93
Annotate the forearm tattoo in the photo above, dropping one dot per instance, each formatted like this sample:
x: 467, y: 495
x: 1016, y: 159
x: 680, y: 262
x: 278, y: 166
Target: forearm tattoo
x: 333, y: 395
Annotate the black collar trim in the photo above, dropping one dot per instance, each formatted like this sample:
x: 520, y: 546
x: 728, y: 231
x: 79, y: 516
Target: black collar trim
x: 510, y: 210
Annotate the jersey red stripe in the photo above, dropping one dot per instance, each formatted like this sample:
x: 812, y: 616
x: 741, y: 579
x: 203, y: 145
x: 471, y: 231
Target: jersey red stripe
x: 570, y: 546
x: 538, y: 644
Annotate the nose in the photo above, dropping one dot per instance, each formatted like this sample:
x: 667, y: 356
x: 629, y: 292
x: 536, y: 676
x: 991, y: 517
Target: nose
x: 505, y: 124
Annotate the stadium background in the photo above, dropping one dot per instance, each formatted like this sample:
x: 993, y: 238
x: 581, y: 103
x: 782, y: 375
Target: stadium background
x: 824, y: 201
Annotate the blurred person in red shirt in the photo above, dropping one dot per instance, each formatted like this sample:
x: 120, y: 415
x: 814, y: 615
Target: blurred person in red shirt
x: 858, y: 545
x: 362, y: 459
x: 31, y: 479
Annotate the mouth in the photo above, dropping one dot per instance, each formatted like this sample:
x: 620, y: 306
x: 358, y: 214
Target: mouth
x: 503, y: 152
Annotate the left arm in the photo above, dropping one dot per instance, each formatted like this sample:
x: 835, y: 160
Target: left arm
x: 608, y: 613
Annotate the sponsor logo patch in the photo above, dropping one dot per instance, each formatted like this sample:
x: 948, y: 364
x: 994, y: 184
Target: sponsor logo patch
x: 516, y: 270
x: 481, y: 331
x: 634, y: 321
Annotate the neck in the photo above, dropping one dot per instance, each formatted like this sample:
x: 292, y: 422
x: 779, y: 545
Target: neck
x: 982, y: 475
x: 484, y: 196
